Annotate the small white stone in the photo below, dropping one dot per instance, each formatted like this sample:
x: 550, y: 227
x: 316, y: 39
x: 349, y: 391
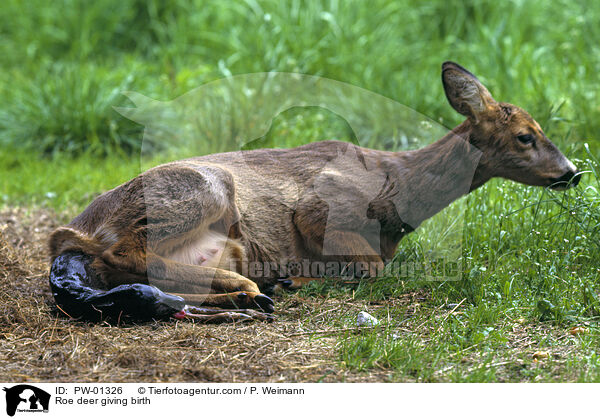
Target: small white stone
x: 365, y: 319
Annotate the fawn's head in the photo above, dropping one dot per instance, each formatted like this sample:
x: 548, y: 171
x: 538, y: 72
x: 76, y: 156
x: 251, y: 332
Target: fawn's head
x: 512, y: 142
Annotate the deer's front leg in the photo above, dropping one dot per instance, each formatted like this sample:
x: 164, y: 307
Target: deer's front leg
x: 351, y: 252
x: 351, y: 247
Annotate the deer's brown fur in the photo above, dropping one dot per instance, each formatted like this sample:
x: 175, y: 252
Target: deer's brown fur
x: 138, y: 231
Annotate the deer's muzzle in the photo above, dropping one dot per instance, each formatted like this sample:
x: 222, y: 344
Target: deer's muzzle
x: 566, y: 181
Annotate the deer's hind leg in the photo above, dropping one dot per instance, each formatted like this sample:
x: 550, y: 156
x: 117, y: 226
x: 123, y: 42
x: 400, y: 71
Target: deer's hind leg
x: 181, y: 204
x: 206, y: 286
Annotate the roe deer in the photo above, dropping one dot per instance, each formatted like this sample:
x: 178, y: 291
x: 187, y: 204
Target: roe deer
x: 326, y: 201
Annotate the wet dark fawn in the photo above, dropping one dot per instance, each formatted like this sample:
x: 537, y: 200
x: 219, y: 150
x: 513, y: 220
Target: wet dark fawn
x: 189, y: 227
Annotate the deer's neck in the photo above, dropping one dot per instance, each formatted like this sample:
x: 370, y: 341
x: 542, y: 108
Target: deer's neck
x: 431, y: 178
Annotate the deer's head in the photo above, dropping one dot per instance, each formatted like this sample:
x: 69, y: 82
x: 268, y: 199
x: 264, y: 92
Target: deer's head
x: 512, y: 142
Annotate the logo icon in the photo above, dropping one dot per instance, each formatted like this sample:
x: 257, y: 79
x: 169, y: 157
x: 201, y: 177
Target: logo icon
x: 26, y: 398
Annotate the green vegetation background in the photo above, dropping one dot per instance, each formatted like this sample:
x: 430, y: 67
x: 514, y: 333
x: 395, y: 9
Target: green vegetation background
x: 64, y: 64
x: 529, y: 252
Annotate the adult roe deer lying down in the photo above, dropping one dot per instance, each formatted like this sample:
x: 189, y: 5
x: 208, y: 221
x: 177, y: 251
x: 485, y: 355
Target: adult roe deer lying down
x: 190, y: 226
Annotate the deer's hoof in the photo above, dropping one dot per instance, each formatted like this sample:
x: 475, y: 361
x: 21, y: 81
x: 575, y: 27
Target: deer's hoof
x: 264, y: 303
x: 285, y: 283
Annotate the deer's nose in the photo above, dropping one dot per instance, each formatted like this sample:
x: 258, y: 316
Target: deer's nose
x: 568, y: 180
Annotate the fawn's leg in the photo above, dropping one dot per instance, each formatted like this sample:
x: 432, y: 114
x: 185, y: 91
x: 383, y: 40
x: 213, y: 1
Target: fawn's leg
x: 215, y: 315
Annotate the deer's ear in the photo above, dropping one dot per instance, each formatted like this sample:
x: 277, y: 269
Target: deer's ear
x: 465, y: 93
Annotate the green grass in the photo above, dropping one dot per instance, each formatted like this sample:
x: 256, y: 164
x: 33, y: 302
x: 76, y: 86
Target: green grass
x: 530, y: 274
x: 61, y: 182
x: 529, y: 256
x: 64, y: 63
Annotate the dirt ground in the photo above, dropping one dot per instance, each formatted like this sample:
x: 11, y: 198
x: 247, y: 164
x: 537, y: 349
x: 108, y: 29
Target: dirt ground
x: 38, y: 343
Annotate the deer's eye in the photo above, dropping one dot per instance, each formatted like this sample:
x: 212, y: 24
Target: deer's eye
x: 526, y: 138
